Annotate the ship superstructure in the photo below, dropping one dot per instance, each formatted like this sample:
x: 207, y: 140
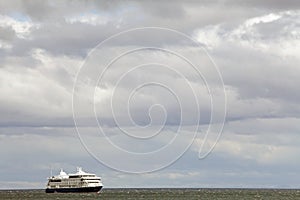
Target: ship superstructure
x: 77, y: 182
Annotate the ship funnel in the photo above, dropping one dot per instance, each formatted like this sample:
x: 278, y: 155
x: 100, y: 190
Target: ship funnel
x: 79, y: 169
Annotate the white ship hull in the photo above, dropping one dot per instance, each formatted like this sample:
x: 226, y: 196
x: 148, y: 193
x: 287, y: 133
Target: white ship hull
x: 80, y: 189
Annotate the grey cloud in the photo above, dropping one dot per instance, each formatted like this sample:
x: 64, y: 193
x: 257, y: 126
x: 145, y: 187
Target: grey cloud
x: 65, y: 151
x: 267, y: 4
x: 78, y: 38
x: 63, y: 39
x: 260, y: 141
x: 53, y: 11
x: 7, y: 34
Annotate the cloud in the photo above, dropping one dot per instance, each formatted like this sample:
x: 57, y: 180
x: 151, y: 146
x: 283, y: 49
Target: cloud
x: 267, y: 4
x: 243, y: 158
x: 255, y: 44
x: 38, y: 92
x: 21, y: 28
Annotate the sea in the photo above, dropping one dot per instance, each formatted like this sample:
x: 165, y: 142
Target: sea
x: 164, y: 193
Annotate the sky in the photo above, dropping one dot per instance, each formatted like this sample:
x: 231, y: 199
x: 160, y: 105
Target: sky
x: 151, y: 93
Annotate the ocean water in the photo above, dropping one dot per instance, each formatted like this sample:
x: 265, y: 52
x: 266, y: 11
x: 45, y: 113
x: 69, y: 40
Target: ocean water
x: 185, y: 194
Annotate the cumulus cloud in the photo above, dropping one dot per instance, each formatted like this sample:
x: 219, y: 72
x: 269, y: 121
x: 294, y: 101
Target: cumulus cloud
x: 255, y: 45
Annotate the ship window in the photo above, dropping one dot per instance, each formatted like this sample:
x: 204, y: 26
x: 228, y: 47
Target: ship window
x: 75, y: 176
x: 88, y: 176
x: 55, y: 180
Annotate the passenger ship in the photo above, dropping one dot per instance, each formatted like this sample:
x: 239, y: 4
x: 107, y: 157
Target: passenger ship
x: 78, y: 182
